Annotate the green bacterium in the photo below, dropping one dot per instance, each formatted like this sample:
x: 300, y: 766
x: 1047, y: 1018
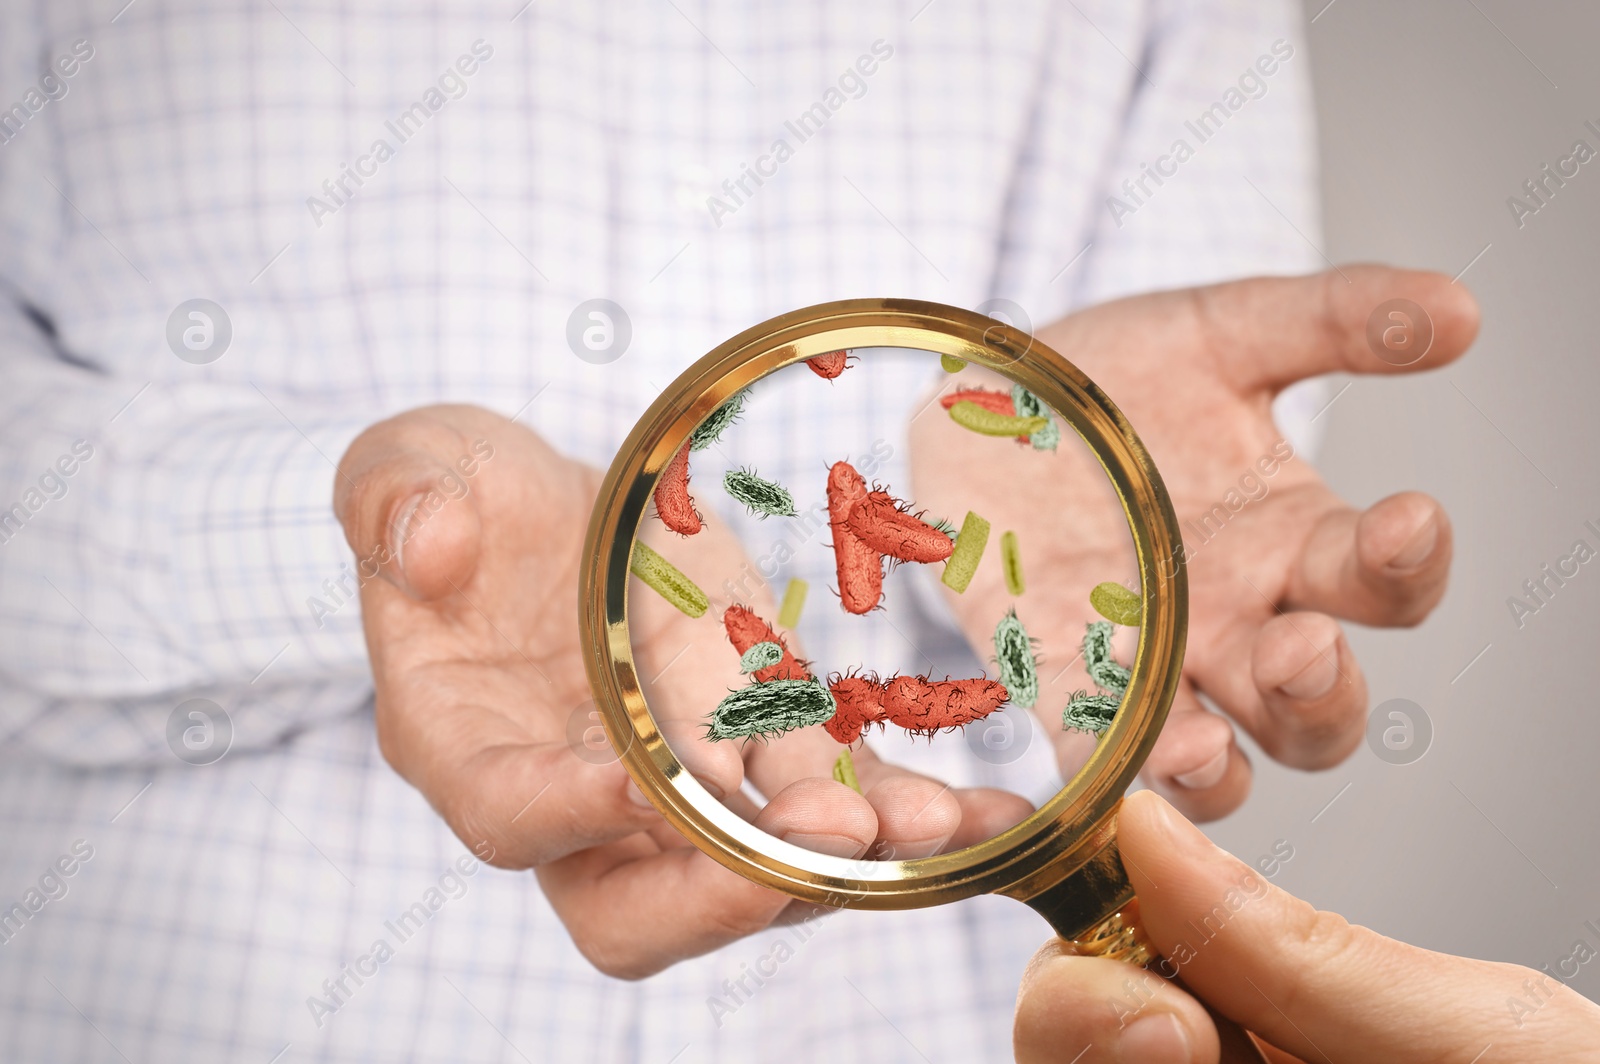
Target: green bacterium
x: 1011, y: 559
x: 794, y: 600
x: 716, y: 423
x: 844, y: 771
x: 1029, y: 405
x: 761, y: 497
x: 1019, y: 670
x: 666, y: 580
x: 952, y: 364
x: 1098, y: 662
x: 771, y: 708
x: 967, y: 553
x: 1093, y: 712
x: 974, y: 418
x: 1089, y: 713
x: 763, y: 655
x: 1117, y: 604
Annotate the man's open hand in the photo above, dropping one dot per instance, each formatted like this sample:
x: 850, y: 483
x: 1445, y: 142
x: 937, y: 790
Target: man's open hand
x: 468, y: 530
x: 1195, y: 372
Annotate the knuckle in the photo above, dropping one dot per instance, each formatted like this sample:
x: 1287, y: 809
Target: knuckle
x: 1322, y: 942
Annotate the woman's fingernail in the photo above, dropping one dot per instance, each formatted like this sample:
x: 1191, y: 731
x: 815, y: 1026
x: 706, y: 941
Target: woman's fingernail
x: 1207, y: 775
x: 399, y: 530
x: 1155, y: 1039
x: 832, y: 845
x: 711, y: 787
x: 1318, y: 677
x: 1418, y: 547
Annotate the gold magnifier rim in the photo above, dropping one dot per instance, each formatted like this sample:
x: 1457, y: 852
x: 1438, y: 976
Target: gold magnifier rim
x: 1057, y: 830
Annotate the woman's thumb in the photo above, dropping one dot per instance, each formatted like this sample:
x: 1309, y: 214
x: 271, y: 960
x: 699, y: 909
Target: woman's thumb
x: 1316, y: 985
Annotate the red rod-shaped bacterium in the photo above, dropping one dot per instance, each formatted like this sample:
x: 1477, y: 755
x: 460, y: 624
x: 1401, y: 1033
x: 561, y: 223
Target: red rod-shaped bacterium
x: 830, y: 365
x: 860, y: 568
x: 919, y: 705
x: 882, y: 523
x: 673, y: 504
x: 745, y: 629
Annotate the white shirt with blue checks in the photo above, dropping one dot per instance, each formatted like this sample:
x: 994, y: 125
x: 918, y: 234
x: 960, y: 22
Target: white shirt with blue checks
x: 386, y: 203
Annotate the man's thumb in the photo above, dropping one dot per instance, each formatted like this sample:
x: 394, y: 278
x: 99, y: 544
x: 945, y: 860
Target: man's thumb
x: 407, y: 511
x: 1309, y: 981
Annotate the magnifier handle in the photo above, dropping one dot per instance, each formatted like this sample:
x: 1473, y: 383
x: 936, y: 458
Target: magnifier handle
x: 1121, y: 937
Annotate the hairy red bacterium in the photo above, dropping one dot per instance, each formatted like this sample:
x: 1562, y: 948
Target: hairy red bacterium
x: 673, y: 504
x: 860, y: 568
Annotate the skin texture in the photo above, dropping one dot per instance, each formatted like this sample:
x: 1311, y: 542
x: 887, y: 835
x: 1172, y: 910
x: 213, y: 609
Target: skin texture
x: 1313, y: 986
x: 1195, y: 372
x: 479, y: 681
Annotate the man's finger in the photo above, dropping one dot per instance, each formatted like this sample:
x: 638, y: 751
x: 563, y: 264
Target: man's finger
x: 1293, y: 683
x: 692, y: 903
x: 1270, y: 332
x: 1314, y: 984
x: 1196, y: 763
x: 1387, y: 566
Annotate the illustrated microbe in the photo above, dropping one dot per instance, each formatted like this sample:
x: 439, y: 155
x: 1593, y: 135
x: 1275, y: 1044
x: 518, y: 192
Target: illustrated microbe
x: 759, y: 496
x: 844, y: 770
x: 860, y: 568
x: 995, y: 402
x: 967, y: 552
x: 1011, y: 558
x: 711, y: 429
x: 975, y: 418
x: 745, y: 630
x: 673, y: 504
x: 1098, y: 662
x: 770, y: 708
x: 830, y: 365
x: 662, y: 577
x: 1018, y: 669
x: 1089, y: 713
x: 915, y: 703
x: 860, y: 702
x: 1029, y: 405
x: 924, y: 707
x: 952, y: 364
x: 992, y: 401
x: 946, y: 527
x: 882, y: 523
x: 763, y: 655
x: 794, y: 600
x: 1117, y: 604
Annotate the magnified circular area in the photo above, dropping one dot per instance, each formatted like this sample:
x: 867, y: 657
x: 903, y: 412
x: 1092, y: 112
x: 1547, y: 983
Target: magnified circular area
x: 890, y: 636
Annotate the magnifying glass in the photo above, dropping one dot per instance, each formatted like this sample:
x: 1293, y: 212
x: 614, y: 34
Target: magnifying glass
x: 1062, y: 860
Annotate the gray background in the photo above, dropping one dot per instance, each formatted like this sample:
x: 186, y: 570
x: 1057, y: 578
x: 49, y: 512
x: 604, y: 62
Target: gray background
x: 1431, y: 116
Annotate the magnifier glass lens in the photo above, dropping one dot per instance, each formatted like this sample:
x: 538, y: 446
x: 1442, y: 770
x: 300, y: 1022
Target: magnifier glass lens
x: 882, y: 578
